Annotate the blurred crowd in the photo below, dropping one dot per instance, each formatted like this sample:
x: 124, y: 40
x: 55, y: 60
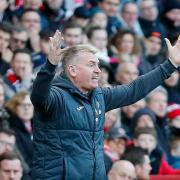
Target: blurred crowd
x: 142, y: 139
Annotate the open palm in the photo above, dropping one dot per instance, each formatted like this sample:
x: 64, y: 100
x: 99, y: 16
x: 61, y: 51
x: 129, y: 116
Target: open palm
x: 174, y: 52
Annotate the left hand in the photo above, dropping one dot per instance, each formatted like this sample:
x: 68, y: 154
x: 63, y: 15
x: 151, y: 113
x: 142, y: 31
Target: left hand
x: 174, y: 52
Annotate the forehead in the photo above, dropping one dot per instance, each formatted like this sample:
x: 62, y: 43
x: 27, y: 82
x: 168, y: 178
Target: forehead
x: 76, y: 30
x: 13, y: 164
x: 31, y: 15
x: 87, y: 57
x: 4, y: 33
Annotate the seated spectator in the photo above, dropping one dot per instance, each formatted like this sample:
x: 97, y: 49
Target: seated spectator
x: 174, y: 154
x: 122, y: 170
x: 19, y: 38
x: 20, y: 76
x: 129, y: 17
x: 98, y: 17
x: 115, y: 143
x: 142, y: 118
x: 72, y: 33
x: 172, y: 85
x: 146, y: 138
x: 125, y: 46
x: 5, y: 53
x: 126, y: 72
x: 10, y: 166
x: 140, y: 159
x: 98, y: 37
x: 152, y: 56
x: 21, y: 109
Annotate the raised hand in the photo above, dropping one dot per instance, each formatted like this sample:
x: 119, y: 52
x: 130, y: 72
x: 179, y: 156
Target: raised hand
x: 174, y: 52
x: 55, y: 52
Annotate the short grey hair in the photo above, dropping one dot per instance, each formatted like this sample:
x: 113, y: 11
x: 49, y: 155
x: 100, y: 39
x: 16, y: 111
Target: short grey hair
x: 160, y: 89
x: 69, y: 55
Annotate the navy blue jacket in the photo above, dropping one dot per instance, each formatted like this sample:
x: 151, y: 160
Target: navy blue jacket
x: 68, y: 125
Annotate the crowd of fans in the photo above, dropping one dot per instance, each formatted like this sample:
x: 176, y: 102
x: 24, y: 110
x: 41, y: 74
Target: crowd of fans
x: 140, y: 139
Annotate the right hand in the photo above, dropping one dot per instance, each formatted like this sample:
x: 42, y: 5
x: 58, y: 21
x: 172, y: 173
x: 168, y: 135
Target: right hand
x: 55, y: 51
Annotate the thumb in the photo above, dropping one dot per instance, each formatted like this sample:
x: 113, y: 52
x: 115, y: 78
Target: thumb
x: 168, y: 43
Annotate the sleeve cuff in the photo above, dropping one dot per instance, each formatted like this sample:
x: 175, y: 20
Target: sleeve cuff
x: 49, y: 66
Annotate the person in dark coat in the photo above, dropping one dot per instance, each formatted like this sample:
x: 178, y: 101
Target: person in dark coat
x: 70, y: 110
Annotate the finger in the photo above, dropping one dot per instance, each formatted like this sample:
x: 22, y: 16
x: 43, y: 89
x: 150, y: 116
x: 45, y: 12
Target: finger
x: 168, y: 43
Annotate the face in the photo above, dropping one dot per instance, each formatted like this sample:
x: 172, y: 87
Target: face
x: 153, y: 45
x: 103, y: 79
x: 4, y: 40
x: 45, y: 46
x: 100, y: 19
x: 127, y: 44
x: 173, y: 80
x: 158, y: 104
x: 19, y: 40
x: 111, y: 117
x: 86, y: 72
x: 3, y: 5
x: 32, y: 4
x: 117, y: 146
x: 176, y: 122
x: 25, y: 109
x: 174, y: 15
x: 99, y: 39
x: 127, y: 73
x: 146, y: 141
x: 73, y: 36
x: 54, y: 4
x: 10, y: 169
x: 145, y: 121
x: 6, y: 143
x: 22, y: 65
x: 2, y: 95
x: 144, y: 169
x: 110, y: 6
x: 131, y: 109
x: 31, y: 21
x: 149, y: 10
x: 130, y: 14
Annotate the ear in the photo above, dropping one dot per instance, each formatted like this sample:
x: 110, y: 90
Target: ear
x: 72, y: 70
x: 135, y: 142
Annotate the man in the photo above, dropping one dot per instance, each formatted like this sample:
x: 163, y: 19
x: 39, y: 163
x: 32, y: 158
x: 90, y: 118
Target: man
x: 19, y: 77
x: 140, y: 159
x: 5, y: 52
x: 69, y: 110
x: 10, y: 166
x: 122, y: 170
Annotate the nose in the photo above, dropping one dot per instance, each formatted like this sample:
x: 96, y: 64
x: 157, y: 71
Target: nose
x: 97, y: 69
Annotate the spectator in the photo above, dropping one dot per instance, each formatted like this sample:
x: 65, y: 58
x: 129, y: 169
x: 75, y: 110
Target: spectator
x: 172, y: 85
x: 19, y: 77
x: 157, y: 102
x: 153, y: 52
x: 10, y: 166
x: 122, y: 170
x: 140, y: 159
x: 146, y: 138
x: 5, y: 53
x: 20, y: 109
x: 115, y: 143
x: 31, y: 20
x: 73, y: 34
x: 126, y: 73
x: 98, y: 17
x: 125, y: 46
x: 98, y: 37
x: 149, y: 17
x: 19, y: 38
x: 110, y: 7
x: 129, y: 17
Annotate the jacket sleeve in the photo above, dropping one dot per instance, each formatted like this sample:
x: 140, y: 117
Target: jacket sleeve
x: 123, y: 95
x: 43, y: 95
